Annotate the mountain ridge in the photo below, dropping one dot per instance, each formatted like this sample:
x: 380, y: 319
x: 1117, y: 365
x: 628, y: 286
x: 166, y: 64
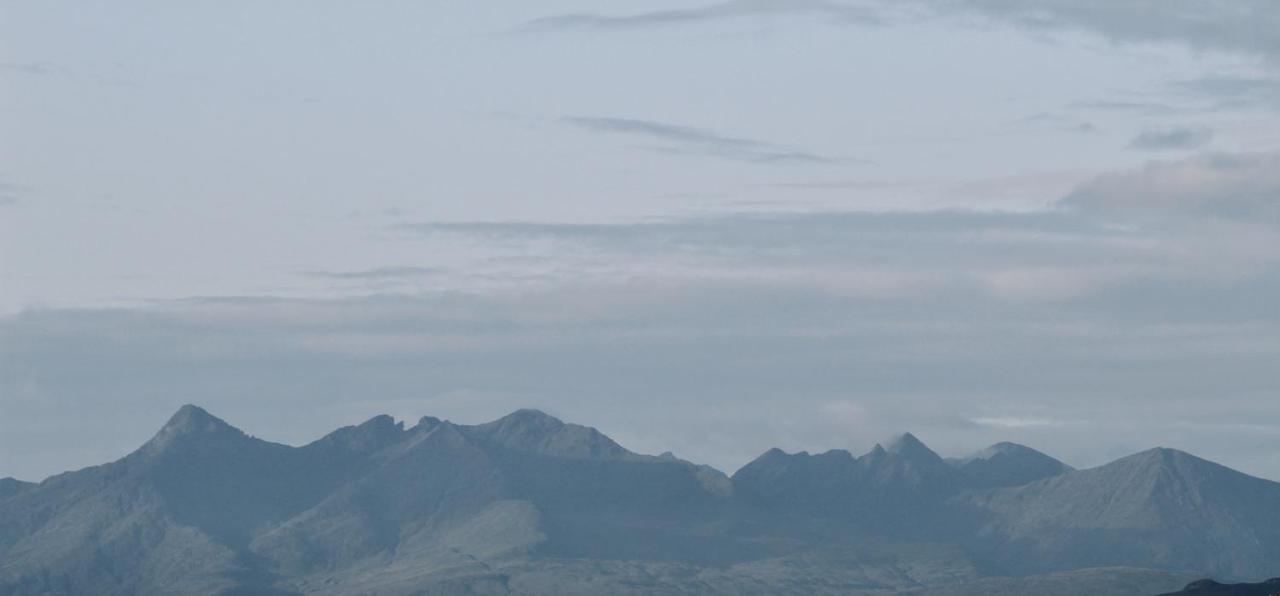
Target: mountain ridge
x: 531, y: 501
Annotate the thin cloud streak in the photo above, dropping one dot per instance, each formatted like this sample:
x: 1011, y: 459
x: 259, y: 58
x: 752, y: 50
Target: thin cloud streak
x: 733, y: 9
x: 1171, y: 139
x: 1246, y: 26
x: 29, y: 68
x: 376, y: 274
x: 686, y: 139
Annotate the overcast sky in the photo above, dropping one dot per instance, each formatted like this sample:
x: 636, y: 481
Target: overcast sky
x: 710, y: 228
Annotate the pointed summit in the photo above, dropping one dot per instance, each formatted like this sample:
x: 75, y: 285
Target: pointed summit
x: 907, y: 468
x: 908, y: 446
x: 189, y: 421
x: 1163, y: 459
x: 193, y: 418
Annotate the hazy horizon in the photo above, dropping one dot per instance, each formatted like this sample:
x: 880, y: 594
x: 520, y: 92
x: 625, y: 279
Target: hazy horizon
x: 410, y: 423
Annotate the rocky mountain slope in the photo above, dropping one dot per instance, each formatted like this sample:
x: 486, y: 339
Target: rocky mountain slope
x: 1160, y: 508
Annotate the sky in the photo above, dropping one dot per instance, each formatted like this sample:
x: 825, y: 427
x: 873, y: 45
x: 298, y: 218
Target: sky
x: 709, y: 228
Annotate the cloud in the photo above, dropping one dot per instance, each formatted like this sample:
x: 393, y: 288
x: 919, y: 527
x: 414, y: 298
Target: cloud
x: 1177, y: 138
x: 684, y: 139
x: 1232, y: 92
x: 1142, y: 107
x: 1244, y: 26
x: 29, y: 68
x: 11, y: 194
x: 1015, y: 422
x: 713, y: 12
x: 376, y: 274
x: 1237, y: 187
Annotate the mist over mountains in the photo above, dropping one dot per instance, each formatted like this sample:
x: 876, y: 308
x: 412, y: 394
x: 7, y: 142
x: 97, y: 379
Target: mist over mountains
x: 529, y: 504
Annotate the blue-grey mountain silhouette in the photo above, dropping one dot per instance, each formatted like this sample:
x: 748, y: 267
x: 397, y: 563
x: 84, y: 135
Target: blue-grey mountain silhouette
x: 1008, y: 464
x: 529, y: 504
x: 1208, y: 587
x: 12, y: 486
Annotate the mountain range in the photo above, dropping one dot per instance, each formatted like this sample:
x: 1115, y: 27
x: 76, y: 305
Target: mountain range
x: 528, y: 504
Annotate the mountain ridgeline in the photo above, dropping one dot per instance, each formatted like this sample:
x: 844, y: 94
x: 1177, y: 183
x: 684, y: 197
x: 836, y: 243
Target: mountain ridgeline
x: 528, y: 504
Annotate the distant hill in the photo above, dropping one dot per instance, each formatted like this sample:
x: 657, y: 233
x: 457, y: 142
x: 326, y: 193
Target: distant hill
x: 1161, y: 508
x: 1206, y: 587
x: 529, y: 504
x: 1008, y: 464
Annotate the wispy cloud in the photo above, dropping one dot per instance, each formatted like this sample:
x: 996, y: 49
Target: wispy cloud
x: 11, y: 194
x: 1235, y: 187
x: 686, y: 139
x: 1246, y: 26
x: 1144, y: 108
x: 713, y: 12
x: 1232, y: 92
x: 1204, y: 220
x: 1015, y: 422
x: 1171, y: 139
x: 29, y: 68
x: 376, y: 274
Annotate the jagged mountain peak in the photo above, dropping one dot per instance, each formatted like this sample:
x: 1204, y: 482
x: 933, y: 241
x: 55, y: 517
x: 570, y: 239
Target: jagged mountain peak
x: 380, y: 425
x: 370, y: 435
x: 907, y: 445
x: 380, y: 421
x: 193, y: 418
x: 190, y: 422
x: 910, y: 451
